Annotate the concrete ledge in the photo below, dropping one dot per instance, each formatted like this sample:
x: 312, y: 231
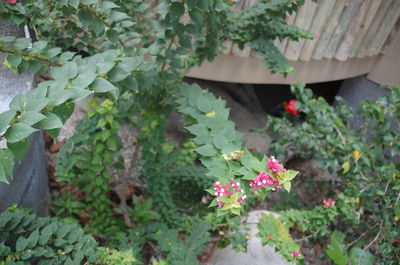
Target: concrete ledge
x: 226, y: 68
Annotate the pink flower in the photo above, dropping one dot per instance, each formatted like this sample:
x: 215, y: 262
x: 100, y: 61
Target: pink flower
x: 328, y: 203
x: 235, y: 185
x: 220, y: 204
x: 220, y: 190
x: 12, y: 1
x: 269, y: 236
x: 291, y: 107
x: 273, y: 164
x: 295, y: 254
x: 242, y: 198
x: 316, y: 35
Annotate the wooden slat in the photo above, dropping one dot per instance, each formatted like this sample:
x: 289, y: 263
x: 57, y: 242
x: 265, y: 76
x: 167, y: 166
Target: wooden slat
x: 321, y: 17
x: 372, y: 30
x: 344, y: 22
x: 385, y: 29
x: 391, y: 37
x: 368, y: 19
x: 329, y: 28
x: 304, y: 19
x: 343, y: 50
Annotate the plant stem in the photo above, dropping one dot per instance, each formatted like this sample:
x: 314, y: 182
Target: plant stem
x: 169, y: 47
x: 29, y: 56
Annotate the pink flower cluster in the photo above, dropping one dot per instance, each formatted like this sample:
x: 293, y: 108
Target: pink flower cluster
x: 295, y: 254
x: 222, y: 190
x: 274, y: 165
x: 264, y: 179
x: 328, y: 203
x: 12, y: 1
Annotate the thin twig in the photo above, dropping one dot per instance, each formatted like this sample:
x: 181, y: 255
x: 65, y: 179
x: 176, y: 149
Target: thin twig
x: 397, y: 200
x: 352, y: 243
x: 370, y: 243
x: 340, y: 134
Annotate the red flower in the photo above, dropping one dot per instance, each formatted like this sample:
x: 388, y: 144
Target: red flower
x: 291, y: 107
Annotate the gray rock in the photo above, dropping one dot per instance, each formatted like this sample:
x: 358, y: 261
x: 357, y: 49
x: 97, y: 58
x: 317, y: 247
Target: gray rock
x: 357, y: 89
x: 256, y: 253
x: 29, y: 185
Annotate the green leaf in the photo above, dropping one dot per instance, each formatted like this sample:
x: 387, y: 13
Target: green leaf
x: 5, y: 119
x: 23, y: 43
x: 13, y: 60
x: 345, y: 167
x: 73, y: 3
x: 7, y: 159
x: 33, y: 239
x: 176, y: 10
x: 21, y: 244
x: 287, y: 185
x: 105, y: 67
x: 3, y: 177
x: 7, y: 38
x: 336, y: 250
x: 52, y: 121
x: 117, y: 74
x: 38, y: 46
x: 67, y: 71
x: 53, y: 52
x: 112, y: 35
x: 107, y: 5
x: 290, y: 174
x: 85, y: 17
x: 101, y: 85
x: 31, y: 117
x: 203, y: 104
x: 206, y: 150
x: 18, y: 132
x: 64, y: 111
x: 191, y: 3
x: 19, y: 148
x: 6, y: 163
x: 98, y: 27
x: 83, y: 80
x: 359, y: 256
x: 116, y: 16
x: 47, y: 232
